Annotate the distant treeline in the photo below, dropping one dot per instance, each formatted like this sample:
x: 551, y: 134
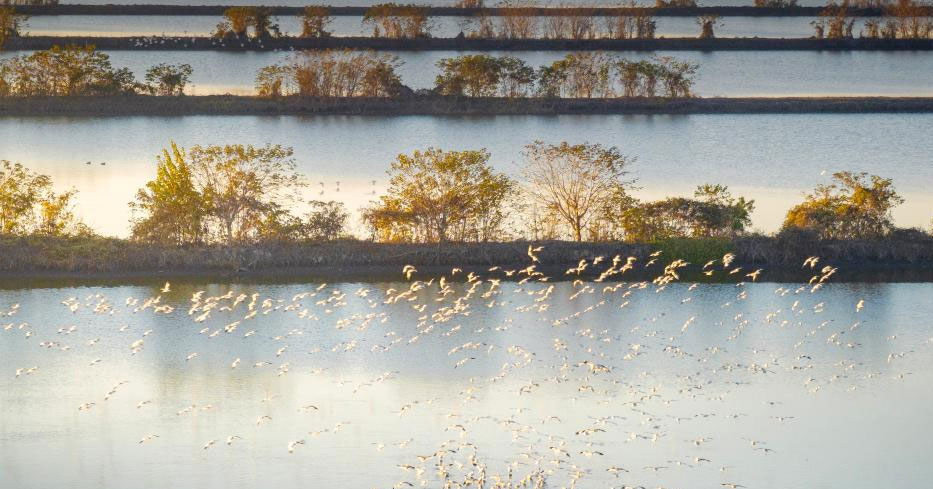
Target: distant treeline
x: 577, y: 75
x: 904, y: 19
x: 84, y: 71
x: 236, y: 194
x: 674, y: 8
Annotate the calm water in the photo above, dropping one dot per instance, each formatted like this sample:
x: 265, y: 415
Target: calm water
x: 678, y: 387
x: 725, y: 73
x: 81, y: 25
x: 771, y: 158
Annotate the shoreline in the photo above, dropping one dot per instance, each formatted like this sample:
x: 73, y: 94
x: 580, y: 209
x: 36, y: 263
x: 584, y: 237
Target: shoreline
x: 203, y: 43
x: 80, y: 260
x: 439, y: 11
x: 133, y: 105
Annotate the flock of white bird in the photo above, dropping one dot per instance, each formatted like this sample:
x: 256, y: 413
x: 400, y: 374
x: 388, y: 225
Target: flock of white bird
x: 607, y: 369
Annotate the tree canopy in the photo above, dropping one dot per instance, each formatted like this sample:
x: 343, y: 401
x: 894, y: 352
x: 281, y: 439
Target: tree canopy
x: 64, y: 71
x: 855, y: 205
x: 575, y: 182
x: 232, y: 193
x: 438, y: 196
x: 29, y: 205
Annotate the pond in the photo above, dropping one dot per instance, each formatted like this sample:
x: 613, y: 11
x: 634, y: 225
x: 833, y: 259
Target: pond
x: 378, y: 384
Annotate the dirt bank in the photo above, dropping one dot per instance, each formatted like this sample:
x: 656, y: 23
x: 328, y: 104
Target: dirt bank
x: 25, y: 259
x: 446, y: 106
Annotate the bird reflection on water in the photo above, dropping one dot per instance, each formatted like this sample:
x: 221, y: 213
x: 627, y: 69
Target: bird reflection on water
x: 506, y: 378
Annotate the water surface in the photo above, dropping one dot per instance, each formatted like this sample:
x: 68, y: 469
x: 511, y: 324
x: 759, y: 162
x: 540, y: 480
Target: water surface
x: 763, y: 385
x: 153, y: 25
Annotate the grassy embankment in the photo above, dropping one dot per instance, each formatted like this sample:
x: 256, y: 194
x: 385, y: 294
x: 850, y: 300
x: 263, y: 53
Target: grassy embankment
x: 440, y: 105
x: 896, y: 259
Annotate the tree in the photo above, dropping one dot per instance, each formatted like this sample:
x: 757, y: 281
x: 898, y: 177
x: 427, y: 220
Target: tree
x: 330, y: 73
x: 438, y: 196
x: 574, y: 181
x: 238, y: 20
x: 517, y: 78
x: 517, y: 20
x: 707, y: 23
x: 856, y: 205
x: 398, y: 21
x: 910, y: 19
x: 64, y: 71
x: 639, y: 25
x: 727, y: 215
x: 475, y: 75
x: 226, y: 194
x: 586, y: 74
x: 166, y: 79
x: 326, y: 221
x: 314, y: 21
x: 240, y: 185
x: 712, y: 213
x: 676, y: 76
x: 28, y: 205
x: 174, y: 210
x: 10, y: 23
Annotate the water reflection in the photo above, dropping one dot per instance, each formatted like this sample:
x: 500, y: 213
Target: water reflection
x: 800, y: 373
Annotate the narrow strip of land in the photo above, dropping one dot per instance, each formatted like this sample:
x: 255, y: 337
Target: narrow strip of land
x: 726, y: 11
x: 158, y: 43
x: 130, y: 105
x: 117, y: 259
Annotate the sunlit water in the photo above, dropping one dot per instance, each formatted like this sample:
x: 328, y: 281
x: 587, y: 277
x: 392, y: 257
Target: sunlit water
x: 89, y: 25
x: 771, y: 158
x: 720, y: 73
x: 763, y: 385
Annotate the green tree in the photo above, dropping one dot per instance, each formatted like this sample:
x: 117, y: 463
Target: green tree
x: 855, y: 205
x: 574, y: 181
x: 725, y: 215
x: 475, y: 75
x: 166, y: 79
x: 173, y: 209
x: 224, y: 194
x: 64, y: 71
x: 28, y: 205
x: 439, y: 196
x: 326, y: 221
x: 240, y: 185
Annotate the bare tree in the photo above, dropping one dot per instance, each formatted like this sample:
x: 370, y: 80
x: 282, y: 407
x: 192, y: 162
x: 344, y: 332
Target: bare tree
x: 574, y: 181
